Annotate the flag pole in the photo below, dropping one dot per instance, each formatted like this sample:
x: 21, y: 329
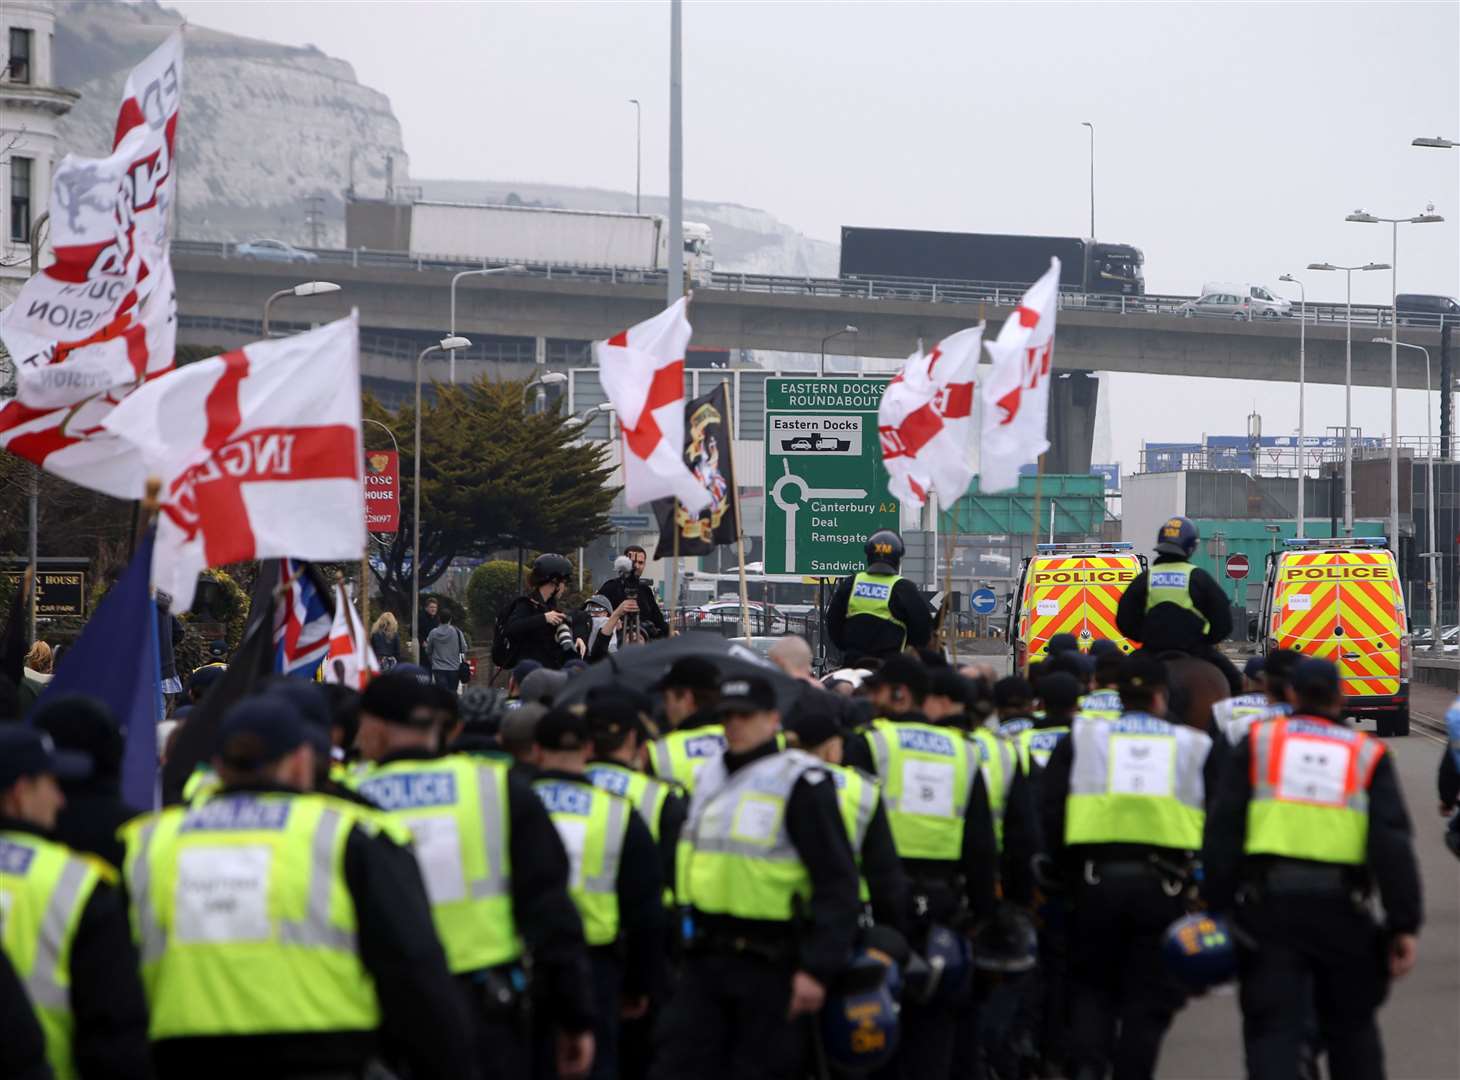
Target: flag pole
x: 672, y: 589
x: 365, y: 585
x: 735, y: 502
x: 948, y: 580
x: 1034, y: 509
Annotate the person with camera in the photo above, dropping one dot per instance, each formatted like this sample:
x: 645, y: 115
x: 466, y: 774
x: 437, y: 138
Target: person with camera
x: 535, y: 627
x: 611, y: 628
x: 628, y: 587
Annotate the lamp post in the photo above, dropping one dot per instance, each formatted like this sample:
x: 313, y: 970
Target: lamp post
x: 821, y: 364
x: 307, y: 288
x: 447, y: 344
x: 1302, y: 377
x: 1366, y: 218
x: 587, y: 416
x: 1435, y: 143
x: 1434, y: 552
x: 1348, y: 384
x: 638, y: 150
x: 542, y: 382
x: 1086, y: 123
x: 514, y: 268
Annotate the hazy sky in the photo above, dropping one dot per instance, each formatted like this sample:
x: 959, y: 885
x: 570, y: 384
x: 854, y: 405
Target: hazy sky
x: 1231, y: 138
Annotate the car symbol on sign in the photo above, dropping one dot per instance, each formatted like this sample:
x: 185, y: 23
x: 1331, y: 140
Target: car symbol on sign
x: 817, y: 442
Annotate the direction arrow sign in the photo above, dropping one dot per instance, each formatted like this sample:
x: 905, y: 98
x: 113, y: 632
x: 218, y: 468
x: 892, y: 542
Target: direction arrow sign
x: 825, y: 485
x: 1236, y: 567
x: 982, y: 601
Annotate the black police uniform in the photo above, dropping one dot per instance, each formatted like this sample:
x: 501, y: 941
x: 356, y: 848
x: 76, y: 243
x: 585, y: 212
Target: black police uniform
x: 531, y: 635
x: 728, y: 1017
x: 1312, y: 928
x: 1168, y: 628
x: 651, y: 619
x: 867, y: 635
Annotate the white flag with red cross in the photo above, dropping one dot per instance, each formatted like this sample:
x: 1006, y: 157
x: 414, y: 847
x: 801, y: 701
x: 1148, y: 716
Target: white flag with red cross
x: 102, y: 318
x: 350, y: 661
x: 259, y: 454
x: 1016, y: 391
x: 642, y: 371
x: 925, y: 421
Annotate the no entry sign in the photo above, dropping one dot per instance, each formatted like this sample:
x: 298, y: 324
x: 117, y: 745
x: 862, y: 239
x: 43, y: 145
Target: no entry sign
x: 1236, y: 567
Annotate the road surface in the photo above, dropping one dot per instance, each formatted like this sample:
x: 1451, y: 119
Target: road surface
x: 1421, y: 1020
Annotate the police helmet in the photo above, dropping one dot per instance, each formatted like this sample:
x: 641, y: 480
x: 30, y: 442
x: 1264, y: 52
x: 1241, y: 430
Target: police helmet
x: 946, y: 972
x: 884, y: 546
x: 1178, y: 536
x: 1007, y: 943
x: 547, y: 568
x: 859, y: 1022
x: 1200, y: 951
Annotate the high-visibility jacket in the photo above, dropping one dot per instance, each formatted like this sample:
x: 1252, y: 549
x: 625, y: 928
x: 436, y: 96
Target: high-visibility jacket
x: 44, y: 888
x: 997, y: 757
x: 592, y: 824
x: 455, y: 808
x: 1101, y: 705
x: 856, y: 796
x: 1310, y: 790
x: 736, y: 857
x: 1235, y: 715
x: 1136, y: 780
x: 1170, y: 583
x: 647, y: 794
x: 872, y: 595
x: 202, y: 784
x: 244, y: 921
x: 927, y: 775
x: 1036, y: 744
x: 680, y: 755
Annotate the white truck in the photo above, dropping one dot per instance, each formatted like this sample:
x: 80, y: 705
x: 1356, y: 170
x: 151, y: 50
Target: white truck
x: 537, y: 236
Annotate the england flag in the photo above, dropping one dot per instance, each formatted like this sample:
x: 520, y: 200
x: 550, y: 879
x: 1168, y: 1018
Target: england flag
x: 1016, y: 392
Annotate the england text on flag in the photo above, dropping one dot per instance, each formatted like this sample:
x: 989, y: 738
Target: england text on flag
x: 1016, y: 392
x: 259, y: 454
x: 642, y: 370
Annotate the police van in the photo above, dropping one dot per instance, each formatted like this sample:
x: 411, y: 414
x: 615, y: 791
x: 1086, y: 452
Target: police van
x: 1070, y: 589
x: 1340, y: 599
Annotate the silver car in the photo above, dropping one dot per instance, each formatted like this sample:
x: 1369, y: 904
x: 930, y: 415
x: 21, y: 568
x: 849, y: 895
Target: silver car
x: 273, y: 251
x: 1224, y: 305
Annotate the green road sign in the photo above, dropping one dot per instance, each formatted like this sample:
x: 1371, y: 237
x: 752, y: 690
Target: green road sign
x: 826, y: 489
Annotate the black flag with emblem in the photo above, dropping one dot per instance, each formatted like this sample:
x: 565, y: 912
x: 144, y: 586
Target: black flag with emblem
x: 707, y: 455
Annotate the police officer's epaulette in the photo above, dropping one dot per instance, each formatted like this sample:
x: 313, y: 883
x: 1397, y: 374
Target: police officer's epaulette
x: 104, y: 870
x: 369, y: 820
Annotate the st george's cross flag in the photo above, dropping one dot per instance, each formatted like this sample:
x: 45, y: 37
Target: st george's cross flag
x: 102, y: 318
x: 1016, y: 391
x: 642, y: 371
x: 924, y: 421
x: 259, y: 454
x: 351, y: 661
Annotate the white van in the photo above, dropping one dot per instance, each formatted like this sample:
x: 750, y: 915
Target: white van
x: 1261, y: 301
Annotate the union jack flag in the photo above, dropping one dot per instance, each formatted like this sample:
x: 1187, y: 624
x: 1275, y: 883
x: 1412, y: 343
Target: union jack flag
x: 302, y: 620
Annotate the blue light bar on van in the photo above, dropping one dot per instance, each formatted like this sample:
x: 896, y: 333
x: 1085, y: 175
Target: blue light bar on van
x: 1089, y: 545
x: 1337, y: 541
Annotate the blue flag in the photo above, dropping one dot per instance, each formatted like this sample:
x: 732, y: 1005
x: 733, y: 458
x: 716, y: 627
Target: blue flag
x: 115, y: 661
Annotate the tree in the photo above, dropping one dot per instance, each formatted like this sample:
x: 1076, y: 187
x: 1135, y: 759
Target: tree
x: 491, y: 478
x: 491, y: 586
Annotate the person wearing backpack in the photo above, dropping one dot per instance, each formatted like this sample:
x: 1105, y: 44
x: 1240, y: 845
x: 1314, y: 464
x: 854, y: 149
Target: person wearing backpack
x: 446, y: 652
x: 532, y: 627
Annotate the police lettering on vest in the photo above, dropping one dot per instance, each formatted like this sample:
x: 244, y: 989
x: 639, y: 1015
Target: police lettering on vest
x: 592, y: 824
x: 1170, y: 583
x: 871, y: 595
x: 927, y: 776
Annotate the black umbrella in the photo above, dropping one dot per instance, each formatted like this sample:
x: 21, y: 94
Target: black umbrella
x: 640, y: 666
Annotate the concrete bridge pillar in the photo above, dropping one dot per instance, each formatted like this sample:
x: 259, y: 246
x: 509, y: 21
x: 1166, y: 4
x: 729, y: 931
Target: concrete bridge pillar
x: 1072, y: 400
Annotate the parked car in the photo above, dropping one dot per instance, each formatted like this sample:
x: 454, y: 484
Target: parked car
x: 1450, y: 638
x: 720, y: 613
x: 1224, y: 305
x: 273, y: 251
x: 1426, y: 308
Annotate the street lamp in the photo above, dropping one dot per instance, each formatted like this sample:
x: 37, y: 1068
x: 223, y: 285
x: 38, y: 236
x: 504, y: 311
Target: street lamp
x: 1348, y: 384
x: 307, y: 288
x: 1302, y: 375
x: 1436, y: 143
x: 1434, y: 552
x: 542, y: 382
x: 447, y: 344
x: 638, y: 149
x: 586, y: 417
x: 514, y: 268
x: 821, y: 364
x: 1086, y: 123
x: 1366, y: 218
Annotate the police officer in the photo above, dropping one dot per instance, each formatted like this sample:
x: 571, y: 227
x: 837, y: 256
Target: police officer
x: 1124, y: 802
x: 1307, y: 823
x: 63, y: 922
x: 533, y: 622
x: 1103, y: 701
x: 616, y: 884
x: 1233, y: 716
x: 691, y: 692
x: 1059, y: 694
x: 815, y: 720
x: 938, y: 806
x: 494, y: 903
x: 1175, y: 606
x: 770, y: 885
x: 302, y: 915
x: 876, y: 612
